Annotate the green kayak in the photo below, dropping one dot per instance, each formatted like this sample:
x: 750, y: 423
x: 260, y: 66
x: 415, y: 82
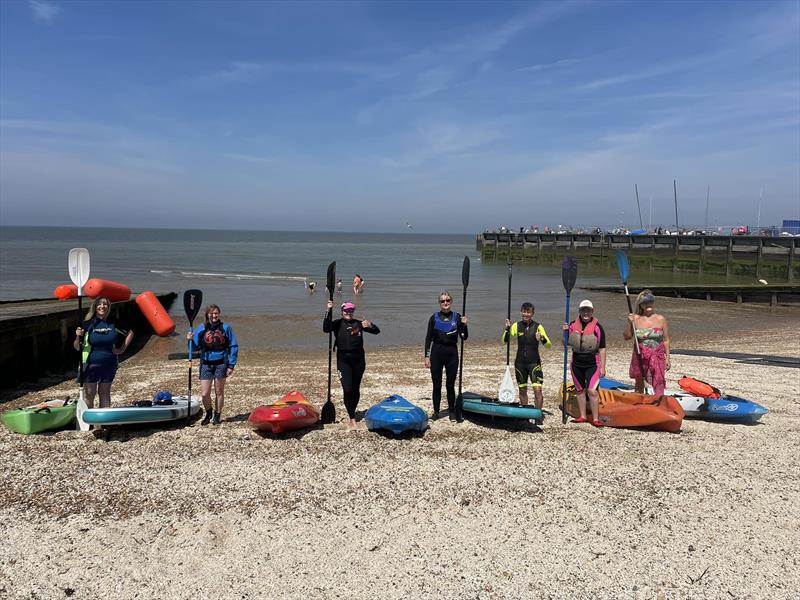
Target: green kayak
x: 50, y: 414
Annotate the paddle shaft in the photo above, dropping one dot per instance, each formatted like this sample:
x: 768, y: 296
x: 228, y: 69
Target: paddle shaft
x: 80, y: 343
x: 461, y: 354
x: 633, y: 330
x: 564, y: 382
x: 508, y: 316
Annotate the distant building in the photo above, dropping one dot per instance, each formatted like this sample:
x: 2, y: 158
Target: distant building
x: 792, y: 227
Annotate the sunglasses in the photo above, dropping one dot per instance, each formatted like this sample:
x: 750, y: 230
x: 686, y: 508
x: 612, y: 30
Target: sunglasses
x: 446, y: 301
x: 349, y: 310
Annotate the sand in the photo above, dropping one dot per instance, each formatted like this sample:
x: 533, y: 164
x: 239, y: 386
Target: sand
x: 472, y: 510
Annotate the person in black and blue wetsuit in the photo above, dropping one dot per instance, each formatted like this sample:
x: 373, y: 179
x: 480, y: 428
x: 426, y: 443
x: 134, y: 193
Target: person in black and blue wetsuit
x: 445, y: 328
x: 219, y: 352
x: 527, y: 363
x: 350, y: 359
x: 96, y: 338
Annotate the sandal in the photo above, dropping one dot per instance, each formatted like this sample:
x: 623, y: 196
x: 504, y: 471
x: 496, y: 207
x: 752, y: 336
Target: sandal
x: 580, y: 420
x: 597, y: 423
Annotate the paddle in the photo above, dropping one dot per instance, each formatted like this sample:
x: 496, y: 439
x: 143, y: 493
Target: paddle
x: 460, y: 398
x: 624, y: 271
x: 508, y: 390
x: 78, y: 263
x: 328, y: 409
x: 569, y: 273
x: 192, y: 299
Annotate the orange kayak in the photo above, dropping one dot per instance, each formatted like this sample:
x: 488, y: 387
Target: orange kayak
x: 632, y: 410
x: 291, y: 412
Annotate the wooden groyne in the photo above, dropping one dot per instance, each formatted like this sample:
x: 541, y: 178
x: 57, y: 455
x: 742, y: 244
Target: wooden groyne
x: 737, y: 256
x: 38, y: 335
x: 774, y: 295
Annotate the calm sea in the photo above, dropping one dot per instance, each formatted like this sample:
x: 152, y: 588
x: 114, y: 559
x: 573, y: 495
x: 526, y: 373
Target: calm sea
x: 257, y: 277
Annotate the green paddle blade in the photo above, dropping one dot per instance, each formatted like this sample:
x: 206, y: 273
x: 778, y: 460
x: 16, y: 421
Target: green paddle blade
x: 569, y: 272
x: 623, y: 266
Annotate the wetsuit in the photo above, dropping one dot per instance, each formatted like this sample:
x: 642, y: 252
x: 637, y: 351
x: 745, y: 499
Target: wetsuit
x: 527, y: 363
x: 99, y: 339
x: 350, y: 360
x: 444, y: 331
x: 586, y: 346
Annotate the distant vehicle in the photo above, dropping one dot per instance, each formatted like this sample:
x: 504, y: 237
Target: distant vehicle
x: 740, y: 230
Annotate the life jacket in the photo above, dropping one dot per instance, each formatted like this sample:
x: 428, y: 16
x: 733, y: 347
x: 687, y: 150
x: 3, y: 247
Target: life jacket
x: 214, y: 338
x: 586, y: 339
x: 699, y: 388
x: 446, y: 326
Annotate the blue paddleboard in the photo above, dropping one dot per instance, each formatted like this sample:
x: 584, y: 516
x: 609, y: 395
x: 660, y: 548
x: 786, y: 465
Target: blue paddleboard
x: 396, y: 414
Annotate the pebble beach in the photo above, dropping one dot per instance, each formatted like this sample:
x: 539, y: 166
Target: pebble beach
x: 482, y: 509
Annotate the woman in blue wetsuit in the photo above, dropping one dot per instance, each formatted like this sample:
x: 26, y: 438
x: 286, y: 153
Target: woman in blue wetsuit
x: 350, y: 358
x: 96, y: 338
x: 219, y: 353
x: 445, y: 328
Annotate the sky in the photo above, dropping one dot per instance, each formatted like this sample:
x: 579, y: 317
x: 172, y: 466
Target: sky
x: 449, y: 116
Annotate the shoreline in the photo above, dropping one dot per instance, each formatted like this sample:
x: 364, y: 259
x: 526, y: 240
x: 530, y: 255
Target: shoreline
x: 480, y: 509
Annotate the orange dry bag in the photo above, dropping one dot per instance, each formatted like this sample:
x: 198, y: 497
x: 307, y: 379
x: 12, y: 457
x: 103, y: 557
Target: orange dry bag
x: 66, y: 291
x: 115, y: 292
x: 155, y: 314
x: 698, y: 388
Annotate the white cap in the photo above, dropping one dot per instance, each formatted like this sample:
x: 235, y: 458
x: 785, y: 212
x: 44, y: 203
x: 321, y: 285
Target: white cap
x: 586, y: 304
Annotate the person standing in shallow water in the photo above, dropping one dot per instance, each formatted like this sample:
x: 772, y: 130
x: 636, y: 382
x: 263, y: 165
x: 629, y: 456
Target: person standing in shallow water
x: 652, y: 333
x: 219, y: 352
x: 348, y: 333
x: 98, y: 334
x: 445, y: 328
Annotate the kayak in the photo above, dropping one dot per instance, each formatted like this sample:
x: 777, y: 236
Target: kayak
x: 630, y: 410
x: 726, y: 408
x: 47, y: 415
x: 143, y: 415
x: 289, y: 413
x: 397, y: 415
x: 483, y: 405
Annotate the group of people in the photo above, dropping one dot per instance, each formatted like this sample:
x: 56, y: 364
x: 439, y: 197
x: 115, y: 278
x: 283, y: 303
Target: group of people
x: 98, y: 335
x: 358, y: 285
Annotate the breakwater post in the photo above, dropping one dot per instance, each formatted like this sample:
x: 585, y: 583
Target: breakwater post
x: 740, y: 256
x: 38, y: 335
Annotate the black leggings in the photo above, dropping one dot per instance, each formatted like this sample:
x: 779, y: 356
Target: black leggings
x: 351, y: 370
x: 444, y: 357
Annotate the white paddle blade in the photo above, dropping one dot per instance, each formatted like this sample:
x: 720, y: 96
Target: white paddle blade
x: 79, y: 267
x: 508, y: 388
x: 79, y: 410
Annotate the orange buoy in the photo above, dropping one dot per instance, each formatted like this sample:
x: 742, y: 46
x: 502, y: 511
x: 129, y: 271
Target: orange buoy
x: 115, y: 292
x: 66, y: 291
x: 155, y: 314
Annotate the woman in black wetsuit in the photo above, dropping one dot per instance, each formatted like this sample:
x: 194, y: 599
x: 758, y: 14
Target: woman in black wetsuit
x: 350, y: 361
x: 445, y: 328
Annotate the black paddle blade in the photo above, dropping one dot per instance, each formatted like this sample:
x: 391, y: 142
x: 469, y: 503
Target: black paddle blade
x: 465, y: 272
x: 328, y: 413
x: 569, y: 272
x: 192, y: 299
x: 331, y: 279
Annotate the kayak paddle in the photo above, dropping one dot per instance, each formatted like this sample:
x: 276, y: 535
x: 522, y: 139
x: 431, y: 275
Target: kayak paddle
x: 192, y: 299
x: 460, y: 398
x: 624, y: 271
x: 569, y: 273
x: 508, y: 389
x: 78, y: 263
x: 328, y: 409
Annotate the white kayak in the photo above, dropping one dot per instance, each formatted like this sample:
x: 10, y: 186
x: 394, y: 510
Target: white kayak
x: 142, y: 415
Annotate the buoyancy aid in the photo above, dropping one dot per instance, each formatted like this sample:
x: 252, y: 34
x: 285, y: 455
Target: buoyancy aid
x: 698, y: 388
x: 584, y: 339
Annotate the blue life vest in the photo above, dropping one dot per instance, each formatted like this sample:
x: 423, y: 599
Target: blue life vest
x: 446, y: 326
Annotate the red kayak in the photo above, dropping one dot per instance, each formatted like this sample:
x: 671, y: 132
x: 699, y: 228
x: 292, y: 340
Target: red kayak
x: 291, y: 412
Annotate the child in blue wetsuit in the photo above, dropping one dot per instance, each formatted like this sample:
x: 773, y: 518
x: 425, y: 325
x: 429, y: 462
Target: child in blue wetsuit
x: 96, y: 338
x: 219, y: 353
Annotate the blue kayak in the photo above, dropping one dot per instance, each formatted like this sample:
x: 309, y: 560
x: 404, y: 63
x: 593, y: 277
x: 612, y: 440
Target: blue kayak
x: 396, y: 414
x: 142, y: 415
x: 729, y: 409
x: 483, y: 405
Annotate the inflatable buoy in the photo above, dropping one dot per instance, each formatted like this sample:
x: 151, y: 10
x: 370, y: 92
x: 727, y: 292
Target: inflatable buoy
x: 155, y: 314
x: 115, y: 292
x: 66, y: 291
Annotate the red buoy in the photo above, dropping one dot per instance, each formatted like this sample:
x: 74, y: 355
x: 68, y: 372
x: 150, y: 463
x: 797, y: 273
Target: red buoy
x: 66, y: 291
x: 155, y: 314
x: 115, y: 292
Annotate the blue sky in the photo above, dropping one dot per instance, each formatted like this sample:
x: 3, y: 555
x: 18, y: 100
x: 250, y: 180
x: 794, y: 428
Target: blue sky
x: 348, y: 116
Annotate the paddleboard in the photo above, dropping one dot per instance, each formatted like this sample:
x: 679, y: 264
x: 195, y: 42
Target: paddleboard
x: 396, y: 414
x: 142, y: 415
x: 484, y: 405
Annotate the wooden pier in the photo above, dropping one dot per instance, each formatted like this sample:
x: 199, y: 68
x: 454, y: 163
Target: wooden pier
x: 731, y: 256
x: 774, y: 295
x: 38, y: 335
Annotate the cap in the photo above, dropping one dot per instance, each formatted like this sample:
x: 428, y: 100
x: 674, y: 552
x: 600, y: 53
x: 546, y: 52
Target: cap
x: 586, y: 304
x: 647, y: 298
x: 348, y: 307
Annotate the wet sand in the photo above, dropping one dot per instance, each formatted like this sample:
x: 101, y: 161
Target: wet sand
x: 477, y: 510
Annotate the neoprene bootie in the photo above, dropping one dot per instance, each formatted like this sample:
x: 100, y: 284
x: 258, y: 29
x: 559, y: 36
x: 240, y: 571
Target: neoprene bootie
x: 207, y: 419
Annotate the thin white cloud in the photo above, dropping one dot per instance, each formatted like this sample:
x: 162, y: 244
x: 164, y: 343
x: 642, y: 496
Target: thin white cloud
x: 44, y: 12
x: 565, y: 62
x: 248, y: 158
